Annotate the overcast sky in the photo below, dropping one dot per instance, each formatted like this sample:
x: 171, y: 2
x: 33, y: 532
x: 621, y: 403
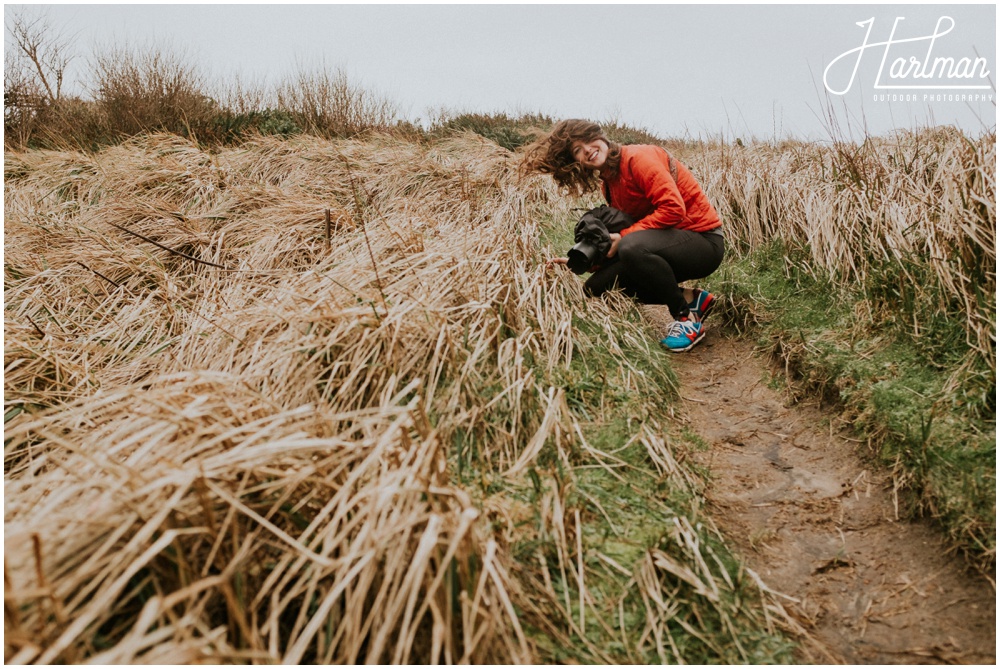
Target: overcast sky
x: 738, y: 70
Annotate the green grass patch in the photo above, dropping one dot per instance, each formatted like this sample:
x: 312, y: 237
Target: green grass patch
x: 510, y: 132
x: 629, y: 517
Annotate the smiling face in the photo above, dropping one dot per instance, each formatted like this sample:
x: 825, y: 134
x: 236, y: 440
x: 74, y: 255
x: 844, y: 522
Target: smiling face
x: 577, y: 154
x: 592, y: 154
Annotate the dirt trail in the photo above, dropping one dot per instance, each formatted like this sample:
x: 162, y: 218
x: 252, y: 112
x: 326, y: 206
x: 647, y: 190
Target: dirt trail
x: 816, y: 523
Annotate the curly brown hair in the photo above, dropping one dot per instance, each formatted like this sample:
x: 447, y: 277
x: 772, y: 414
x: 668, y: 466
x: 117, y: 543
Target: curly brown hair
x: 553, y: 154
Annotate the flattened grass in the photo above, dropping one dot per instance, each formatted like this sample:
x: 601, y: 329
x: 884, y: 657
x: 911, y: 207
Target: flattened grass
x: 401, y: 447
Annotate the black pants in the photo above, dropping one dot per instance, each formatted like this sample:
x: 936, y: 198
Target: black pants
x: 650, y: 264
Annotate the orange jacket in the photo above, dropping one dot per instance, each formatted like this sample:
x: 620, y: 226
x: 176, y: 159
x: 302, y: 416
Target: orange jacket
x: 646, y: 190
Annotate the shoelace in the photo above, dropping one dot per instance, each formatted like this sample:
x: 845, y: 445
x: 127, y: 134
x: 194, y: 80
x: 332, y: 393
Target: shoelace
x: 681, y: 328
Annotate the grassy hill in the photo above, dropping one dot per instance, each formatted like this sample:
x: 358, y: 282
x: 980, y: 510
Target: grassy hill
x: 229, y: 437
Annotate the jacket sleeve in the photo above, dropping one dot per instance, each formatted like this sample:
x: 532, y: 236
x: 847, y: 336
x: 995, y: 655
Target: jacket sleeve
x: 652, y: 177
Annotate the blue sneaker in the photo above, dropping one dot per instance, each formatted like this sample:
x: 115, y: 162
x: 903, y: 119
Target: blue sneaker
x: 702, y: 305
x: 683, y: 334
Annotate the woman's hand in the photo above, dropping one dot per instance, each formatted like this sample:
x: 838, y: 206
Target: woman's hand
x: 615, y: 238
x: 555, y: 261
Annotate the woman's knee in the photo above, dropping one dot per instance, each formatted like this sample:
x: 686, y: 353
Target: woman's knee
x: 630, y: 248
x: 716, y: 253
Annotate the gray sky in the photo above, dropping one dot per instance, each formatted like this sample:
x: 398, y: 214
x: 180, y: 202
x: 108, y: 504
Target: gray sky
x: 737, y: 70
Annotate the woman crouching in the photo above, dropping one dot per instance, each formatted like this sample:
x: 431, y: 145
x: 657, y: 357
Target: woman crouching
x: 676, y: 236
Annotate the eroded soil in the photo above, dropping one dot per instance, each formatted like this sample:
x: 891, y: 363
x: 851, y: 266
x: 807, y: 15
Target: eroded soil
x: 819, y: 525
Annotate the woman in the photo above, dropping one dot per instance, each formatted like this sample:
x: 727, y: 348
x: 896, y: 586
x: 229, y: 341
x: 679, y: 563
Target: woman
x: 676, y: 236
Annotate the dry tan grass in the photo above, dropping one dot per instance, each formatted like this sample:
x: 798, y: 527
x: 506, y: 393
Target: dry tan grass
x: 251, y: 456
x: 916, y: 211
x: 211, y: 411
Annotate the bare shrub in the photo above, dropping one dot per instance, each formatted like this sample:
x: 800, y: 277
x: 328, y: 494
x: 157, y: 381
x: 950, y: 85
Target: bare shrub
x: 241, y: 96
x: 324, y: 102
x: 150, y: 89
x: 22, y: 102
x: 46, y: 51
x: 34, y: 70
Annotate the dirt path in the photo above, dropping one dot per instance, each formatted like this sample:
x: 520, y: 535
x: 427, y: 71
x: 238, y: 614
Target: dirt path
x: 817, y: 524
